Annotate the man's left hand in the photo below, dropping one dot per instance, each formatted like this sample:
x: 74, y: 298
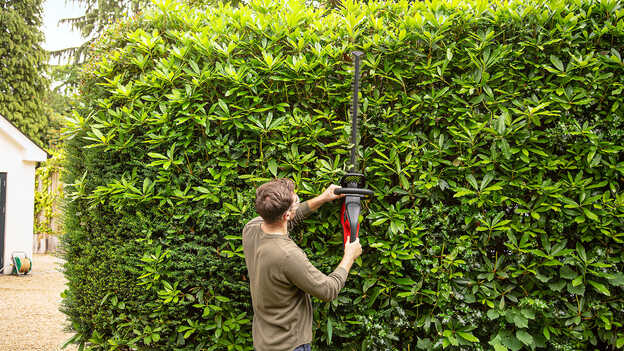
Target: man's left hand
x: 328, y: 195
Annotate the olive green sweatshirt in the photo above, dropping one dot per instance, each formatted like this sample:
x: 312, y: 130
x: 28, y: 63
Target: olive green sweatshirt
x: 281, y: 281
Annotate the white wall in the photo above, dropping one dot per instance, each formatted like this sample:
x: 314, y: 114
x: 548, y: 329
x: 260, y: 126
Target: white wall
x: 20, y: 198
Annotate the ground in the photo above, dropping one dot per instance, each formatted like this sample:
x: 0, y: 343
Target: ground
x: 29, y: 308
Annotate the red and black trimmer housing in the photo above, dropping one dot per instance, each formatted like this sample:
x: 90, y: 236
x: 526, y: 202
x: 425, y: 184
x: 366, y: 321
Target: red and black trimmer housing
x: 353, y: 186
x: 353, y: 183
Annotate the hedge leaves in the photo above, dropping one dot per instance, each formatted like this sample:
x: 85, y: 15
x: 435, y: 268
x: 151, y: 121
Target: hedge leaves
x: 490, y: 132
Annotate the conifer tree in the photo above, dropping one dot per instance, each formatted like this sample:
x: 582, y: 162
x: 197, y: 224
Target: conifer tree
x: 23, y: 64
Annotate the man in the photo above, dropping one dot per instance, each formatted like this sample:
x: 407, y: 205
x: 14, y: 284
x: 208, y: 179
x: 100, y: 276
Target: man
x: 281, y: 277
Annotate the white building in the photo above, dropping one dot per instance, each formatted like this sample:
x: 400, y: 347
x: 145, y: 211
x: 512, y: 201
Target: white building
x: 18, y: 157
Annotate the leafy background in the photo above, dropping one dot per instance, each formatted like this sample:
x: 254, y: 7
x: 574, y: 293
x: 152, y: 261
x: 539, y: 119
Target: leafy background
x: 490, y: 132
x: 23, y: 86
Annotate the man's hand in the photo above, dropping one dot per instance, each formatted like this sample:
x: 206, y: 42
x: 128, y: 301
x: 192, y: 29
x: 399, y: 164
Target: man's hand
x: 328, y: 195
x: 352, y: 250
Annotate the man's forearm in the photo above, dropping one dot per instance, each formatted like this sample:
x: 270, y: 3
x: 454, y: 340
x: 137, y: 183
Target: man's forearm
x: 316, y: 202
x: 327, y: 196
x: 346, y: 263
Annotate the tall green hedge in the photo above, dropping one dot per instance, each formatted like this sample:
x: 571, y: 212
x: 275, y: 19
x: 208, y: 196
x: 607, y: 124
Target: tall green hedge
x: 491, y: 133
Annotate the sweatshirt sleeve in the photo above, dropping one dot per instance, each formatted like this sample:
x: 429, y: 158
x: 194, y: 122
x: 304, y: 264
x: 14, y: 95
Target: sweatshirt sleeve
x: 306, y: 277
x: 302, y: 212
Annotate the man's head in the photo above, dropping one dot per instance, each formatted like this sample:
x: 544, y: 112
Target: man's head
x: 276, y: 200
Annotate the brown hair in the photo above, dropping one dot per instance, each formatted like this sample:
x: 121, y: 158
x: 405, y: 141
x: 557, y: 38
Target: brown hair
x: 274, y: 198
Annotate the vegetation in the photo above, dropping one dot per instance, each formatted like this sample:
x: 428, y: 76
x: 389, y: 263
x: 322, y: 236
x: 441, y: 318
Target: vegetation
x: 491, y: 133
x: 48, y: 195
x: 23, y: 86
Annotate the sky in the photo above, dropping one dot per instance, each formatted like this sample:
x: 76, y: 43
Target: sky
x: 60, y: 36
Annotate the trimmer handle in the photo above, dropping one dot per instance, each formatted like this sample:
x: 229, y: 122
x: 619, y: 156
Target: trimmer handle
x: 354, y: 191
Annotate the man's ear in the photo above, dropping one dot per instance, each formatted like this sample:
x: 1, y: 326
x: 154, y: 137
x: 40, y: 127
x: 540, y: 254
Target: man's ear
x: 290, y: 214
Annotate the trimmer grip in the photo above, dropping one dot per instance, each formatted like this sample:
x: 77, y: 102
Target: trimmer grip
x: 349, y: 216
x: 354, y: 191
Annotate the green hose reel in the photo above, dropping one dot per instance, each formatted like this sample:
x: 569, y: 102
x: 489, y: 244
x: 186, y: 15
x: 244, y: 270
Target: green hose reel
x: 21, y: 264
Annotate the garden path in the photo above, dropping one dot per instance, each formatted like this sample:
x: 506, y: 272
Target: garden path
x: 29, y: 308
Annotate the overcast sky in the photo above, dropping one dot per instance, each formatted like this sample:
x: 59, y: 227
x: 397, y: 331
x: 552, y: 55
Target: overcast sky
x: 60, y: 36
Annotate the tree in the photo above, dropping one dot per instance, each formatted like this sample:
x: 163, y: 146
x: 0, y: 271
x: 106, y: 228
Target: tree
x: 23, y: 64
x: 100, y: 13
x: 60, y: 100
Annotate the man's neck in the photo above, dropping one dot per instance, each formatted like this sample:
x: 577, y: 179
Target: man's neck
x: 279, y: 228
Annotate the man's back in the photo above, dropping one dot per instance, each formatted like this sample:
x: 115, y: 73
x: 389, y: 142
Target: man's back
x: 282, y: 317
x: 280, y: 275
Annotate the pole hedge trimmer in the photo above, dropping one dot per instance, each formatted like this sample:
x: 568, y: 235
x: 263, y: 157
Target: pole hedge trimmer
x: 353, y: 183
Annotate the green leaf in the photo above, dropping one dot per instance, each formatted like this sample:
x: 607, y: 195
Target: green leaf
x: 500, y: 125
x: 577, y: 281
x: 493, y: 188
x: 486, y: 180
x: 617, y: 279
x: 468, y: 336
x: 222, y: 298
x: 590, y: 155
x: 555, y: 61
x: 580, y: 250
x: 520, y: 321
x: 273, y: 167
x: 329, y: 331
x: 599, y: 287
x: 546, y: 332
x: 368, y: 283
x: 591, y: 215
x: 557, y: 286
x: 577, y: 290
x: 505, y: 148
x: 498, y: 347
x: 463, y: 192
x: 224, y: 106
x: 507, y: 339
x: 525, y: 337
x: 528, y: 313
x: 97, y: 133
x: 471, y: 179
x: 201, y: 189
x: 567, y: 273
x: 424, y: 344
x: 157, y: 155
x: 405, y: 281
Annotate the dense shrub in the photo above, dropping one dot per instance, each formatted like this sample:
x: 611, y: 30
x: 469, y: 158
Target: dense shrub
x: 491, y: 133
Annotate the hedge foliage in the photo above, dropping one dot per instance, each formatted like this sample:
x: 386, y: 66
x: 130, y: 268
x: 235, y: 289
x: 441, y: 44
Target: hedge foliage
x: 491, y: 133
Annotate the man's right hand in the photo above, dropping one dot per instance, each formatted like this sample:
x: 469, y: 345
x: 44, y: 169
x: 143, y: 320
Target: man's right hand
x: 353, y: 250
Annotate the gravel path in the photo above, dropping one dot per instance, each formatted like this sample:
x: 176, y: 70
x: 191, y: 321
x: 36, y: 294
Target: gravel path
x: 29, y: 315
